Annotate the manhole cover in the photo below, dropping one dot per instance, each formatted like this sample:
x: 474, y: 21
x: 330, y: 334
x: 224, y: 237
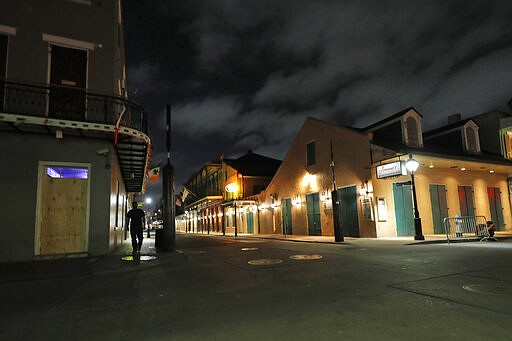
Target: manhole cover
x: 306, y: 257
x: 267, y: 261
x: 249, y: 248
x: 138, y: 258
x: 496, y: 290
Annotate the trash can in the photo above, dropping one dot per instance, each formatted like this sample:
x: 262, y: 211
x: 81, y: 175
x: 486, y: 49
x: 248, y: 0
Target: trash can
x: 159, y: 235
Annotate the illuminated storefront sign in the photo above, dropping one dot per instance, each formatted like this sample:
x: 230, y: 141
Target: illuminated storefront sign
x: 391, y: 169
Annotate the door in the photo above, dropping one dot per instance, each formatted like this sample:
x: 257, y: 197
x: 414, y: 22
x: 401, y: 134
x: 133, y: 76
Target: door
x: 63, y: 211
x: 494, y: 195
x: 3, y: 69
x: 466, y: 201
x: 313, y: 206
x: 349, y: 219
x: 68, y: 72
x: 404, y: 212
x: 250, y: 222
x: 439, y: 207
x: 286, y: 212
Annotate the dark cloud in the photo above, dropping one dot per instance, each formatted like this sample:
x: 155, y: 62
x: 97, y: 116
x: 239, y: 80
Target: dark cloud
x: 245, y: 74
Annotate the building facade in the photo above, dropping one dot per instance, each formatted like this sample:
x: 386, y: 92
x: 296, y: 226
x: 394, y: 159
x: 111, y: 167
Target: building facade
x: 74, y: 146
x: 222, y: 195
x: 457, y: 176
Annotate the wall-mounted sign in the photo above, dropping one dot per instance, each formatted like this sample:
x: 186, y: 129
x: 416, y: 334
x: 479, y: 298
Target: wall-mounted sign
x: 391, y: 169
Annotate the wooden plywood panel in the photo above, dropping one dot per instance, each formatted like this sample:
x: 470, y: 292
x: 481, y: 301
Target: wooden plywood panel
x: 63, y: 223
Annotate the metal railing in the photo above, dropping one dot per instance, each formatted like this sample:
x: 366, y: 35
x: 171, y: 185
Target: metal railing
x: 69, y: 103
x: 469, y: 227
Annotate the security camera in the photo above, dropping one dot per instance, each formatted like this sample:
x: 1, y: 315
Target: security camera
x: 103, y: 152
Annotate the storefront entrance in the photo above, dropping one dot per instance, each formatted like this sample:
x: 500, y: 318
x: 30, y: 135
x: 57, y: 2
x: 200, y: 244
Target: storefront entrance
x: 404, y: 213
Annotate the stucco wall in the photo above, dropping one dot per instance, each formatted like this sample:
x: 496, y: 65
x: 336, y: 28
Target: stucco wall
x: 352, y: 158
x: 96, y: 24
x: 18, y: 180
x: 451, y: 178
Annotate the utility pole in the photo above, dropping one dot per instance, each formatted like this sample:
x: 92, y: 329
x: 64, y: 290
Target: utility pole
x: 336, y: 207
x: 169, y: 232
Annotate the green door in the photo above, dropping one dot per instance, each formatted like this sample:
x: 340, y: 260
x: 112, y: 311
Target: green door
x: 466, y: 202
x: 250, y: 222
x: 349, y: 219
x: 494, y: 195
x: 404, y: 214
x: 286, y: 212
x: 313, y: 205
x: 439, y: 207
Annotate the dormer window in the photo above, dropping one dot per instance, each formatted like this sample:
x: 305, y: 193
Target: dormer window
x: 412, y: 129
x: 472, y: 142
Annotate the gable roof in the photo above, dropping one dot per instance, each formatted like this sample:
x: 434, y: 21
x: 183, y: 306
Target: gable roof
x: 252, y: 164
x: 391, y: 118
x: 446, y: 128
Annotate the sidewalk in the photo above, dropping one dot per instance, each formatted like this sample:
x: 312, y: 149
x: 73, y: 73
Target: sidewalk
x: 429, y: 239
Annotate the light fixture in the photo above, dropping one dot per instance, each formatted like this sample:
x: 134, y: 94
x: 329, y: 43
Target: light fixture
x: 232, y: 187
x: 431, y: 165
x: 491, y: 171
x: 412, y: 166
x: 148, y: 200
x: 463, y: 169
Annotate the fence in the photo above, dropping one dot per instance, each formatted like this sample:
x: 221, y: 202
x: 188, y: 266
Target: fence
x: 465, y: 227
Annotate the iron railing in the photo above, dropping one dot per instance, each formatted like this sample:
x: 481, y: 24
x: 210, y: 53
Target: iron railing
x: 69, y: 103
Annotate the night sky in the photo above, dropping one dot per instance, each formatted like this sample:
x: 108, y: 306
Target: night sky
x: 243, y: 75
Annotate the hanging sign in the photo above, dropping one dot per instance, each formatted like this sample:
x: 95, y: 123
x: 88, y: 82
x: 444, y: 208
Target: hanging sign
x: 391, y: 169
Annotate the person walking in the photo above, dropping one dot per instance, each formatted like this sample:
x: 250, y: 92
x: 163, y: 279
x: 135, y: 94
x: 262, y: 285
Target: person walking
x: 136, y: 218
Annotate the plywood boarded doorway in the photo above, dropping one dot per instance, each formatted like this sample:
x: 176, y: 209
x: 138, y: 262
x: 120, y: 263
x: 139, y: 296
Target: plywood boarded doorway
x: 63, y: 207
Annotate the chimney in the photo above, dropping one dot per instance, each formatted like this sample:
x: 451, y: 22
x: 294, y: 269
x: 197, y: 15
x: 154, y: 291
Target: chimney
x: 454, y: 118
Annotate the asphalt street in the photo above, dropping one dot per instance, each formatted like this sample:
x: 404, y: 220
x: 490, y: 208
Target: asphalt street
x: 222, y: 288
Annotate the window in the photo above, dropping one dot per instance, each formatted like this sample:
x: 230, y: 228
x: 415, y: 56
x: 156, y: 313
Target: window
x: 471, y: 140
x: 67, y: 173
x: 310, y: 154
x: 412, y: 132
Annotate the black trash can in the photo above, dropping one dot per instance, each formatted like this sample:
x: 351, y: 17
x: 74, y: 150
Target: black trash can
x: 159, y: 235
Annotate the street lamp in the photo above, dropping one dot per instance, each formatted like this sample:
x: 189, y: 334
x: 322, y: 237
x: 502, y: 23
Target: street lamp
x: 412, y: 166
x: 148, y: 200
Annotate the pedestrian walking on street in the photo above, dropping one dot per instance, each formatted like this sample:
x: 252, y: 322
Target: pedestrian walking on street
x: 136, y: 218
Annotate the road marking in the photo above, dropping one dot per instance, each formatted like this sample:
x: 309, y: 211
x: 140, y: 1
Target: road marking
x: 495, y: 290
x: 306, y: 257
x: 265, y: 261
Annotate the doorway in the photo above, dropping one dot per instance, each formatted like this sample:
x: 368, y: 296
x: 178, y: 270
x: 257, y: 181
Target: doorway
x: 439, y: 207
x: 404, y: 211
x: 62, y: 210
x: 68, y: 73
x: 466, y: 201
x: 3, y: 69
x: 313, y: 207
x: 495, y: 207
x: 349, y: 219
x: 286, y: 211
x: 250, y: 222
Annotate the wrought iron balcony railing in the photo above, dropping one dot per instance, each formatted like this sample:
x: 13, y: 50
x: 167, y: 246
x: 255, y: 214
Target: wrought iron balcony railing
x: 69, y: 103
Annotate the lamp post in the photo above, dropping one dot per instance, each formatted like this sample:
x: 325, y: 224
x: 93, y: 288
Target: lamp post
x: 148, y: 201
x: 412, y: 166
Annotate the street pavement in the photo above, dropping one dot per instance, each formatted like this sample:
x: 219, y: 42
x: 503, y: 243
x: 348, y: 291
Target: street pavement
x: 246, y: 288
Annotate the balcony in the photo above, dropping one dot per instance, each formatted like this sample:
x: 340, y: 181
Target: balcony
x: 58, y: 109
